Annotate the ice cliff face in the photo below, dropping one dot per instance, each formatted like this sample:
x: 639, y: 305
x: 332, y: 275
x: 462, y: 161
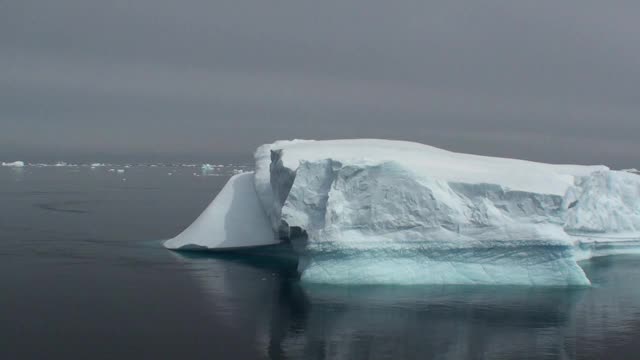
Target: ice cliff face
x: 604, y: 202
x: 377, y: 211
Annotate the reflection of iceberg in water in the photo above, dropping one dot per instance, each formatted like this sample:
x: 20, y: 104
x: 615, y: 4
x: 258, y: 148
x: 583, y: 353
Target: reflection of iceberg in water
x: 438, y: 322
x: 612, y: 309
x: 17, y: 173
x: 249, y: 290
x: 447, y: 322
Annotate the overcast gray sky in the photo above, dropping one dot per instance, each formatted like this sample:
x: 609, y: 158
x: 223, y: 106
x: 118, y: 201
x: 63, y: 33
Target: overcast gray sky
x: 543, y: 80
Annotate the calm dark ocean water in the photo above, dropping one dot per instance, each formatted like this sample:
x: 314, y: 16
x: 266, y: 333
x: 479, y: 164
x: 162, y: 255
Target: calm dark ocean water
x: 83, y: 275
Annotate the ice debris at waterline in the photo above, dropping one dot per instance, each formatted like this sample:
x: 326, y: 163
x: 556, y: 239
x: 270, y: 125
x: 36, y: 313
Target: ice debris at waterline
x: 393, y: 212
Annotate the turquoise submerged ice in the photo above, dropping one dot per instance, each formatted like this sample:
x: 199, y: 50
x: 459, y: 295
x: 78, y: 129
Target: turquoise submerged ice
x: 391, y: 212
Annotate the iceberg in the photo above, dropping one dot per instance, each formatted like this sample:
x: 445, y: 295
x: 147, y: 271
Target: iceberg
x: 368, y: 211
x: 207, y: 169
x: 15, y: 164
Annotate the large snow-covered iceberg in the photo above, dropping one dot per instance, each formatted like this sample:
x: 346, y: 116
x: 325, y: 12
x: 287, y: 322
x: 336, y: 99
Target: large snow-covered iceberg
x: 380, y: 211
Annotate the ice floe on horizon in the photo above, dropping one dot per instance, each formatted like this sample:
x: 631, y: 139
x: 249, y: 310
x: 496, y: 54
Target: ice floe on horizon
x: 178, y: 169
x: 204, y: 166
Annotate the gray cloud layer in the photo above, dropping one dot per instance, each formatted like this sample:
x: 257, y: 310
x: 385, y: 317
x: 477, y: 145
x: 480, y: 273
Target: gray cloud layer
x: 544, y: 80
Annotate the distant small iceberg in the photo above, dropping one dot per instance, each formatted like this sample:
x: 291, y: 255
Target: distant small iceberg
x: 210, y: 169
x: 15, y: 164
x: 207, y: 167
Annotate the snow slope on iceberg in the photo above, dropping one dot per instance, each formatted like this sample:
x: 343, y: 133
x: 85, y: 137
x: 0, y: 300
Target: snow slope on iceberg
x: 234, y: 219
